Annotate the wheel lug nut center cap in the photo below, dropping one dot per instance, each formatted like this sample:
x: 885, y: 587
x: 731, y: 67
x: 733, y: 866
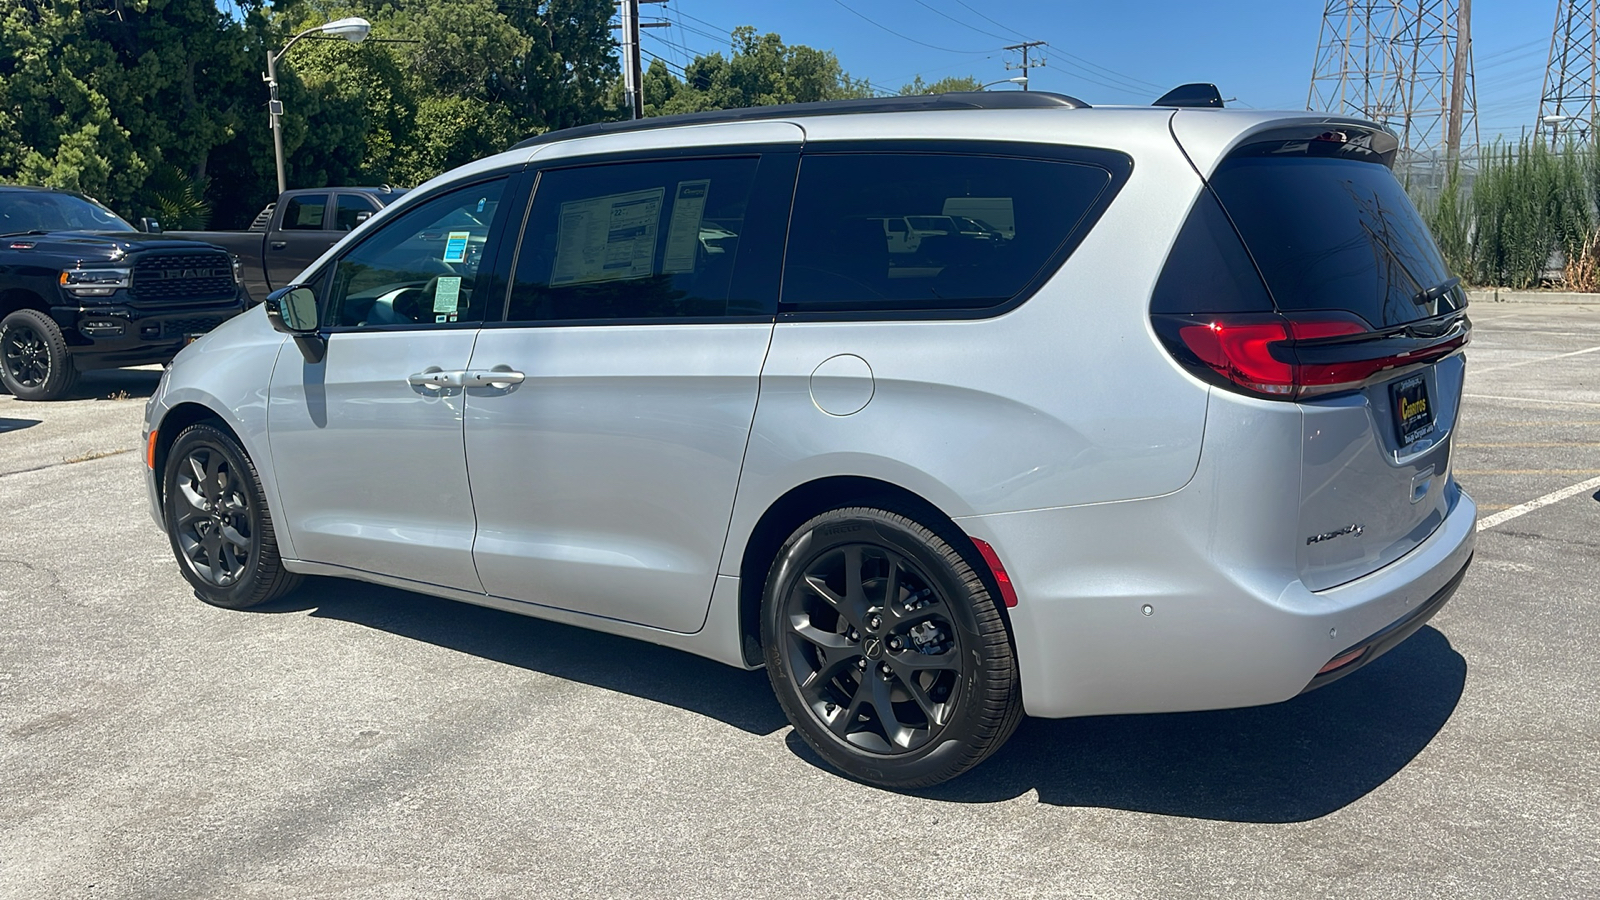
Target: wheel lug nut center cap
x: 873, y: 648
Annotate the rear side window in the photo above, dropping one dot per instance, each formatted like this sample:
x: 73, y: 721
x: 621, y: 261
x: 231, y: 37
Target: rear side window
x: 1208, y: 270
x: 305, y: 212
x: 909, y: 232
x: 1333, y: 234
x: 654, y: 239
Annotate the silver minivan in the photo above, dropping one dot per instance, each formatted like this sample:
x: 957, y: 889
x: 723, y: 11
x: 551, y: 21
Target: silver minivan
x: 1179, y: 441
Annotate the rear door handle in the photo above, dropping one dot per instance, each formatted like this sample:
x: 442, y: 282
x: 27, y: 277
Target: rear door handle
x: 497, y: 377
x: 280, y: 245
x: 434, y: 378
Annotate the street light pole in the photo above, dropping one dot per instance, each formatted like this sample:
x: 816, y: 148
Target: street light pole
x: 1020, y: 79
x: 354, y: 30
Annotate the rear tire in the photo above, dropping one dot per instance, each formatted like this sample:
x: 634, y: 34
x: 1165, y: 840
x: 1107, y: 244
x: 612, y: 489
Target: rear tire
x: 886, y: 651
x: 35, y: 362
x: 218, y: 523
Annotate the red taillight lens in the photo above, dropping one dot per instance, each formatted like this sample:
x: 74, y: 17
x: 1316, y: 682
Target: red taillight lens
x: 1301, y: 356
x: 1242, y: 352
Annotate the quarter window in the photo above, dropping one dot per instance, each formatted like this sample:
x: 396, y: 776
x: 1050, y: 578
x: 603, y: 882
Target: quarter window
x: 910, y: 232
x: 636, y: 240
x: 305, y: 212
x: 420, y: 267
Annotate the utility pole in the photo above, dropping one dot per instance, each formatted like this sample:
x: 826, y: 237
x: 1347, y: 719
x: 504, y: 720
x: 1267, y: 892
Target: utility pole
x: 1025, y: 65
x: 1571, y: 97
x: 1458, y: 88
x: 632, y: 76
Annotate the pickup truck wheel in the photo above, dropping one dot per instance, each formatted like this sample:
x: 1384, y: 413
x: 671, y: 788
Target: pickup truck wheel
x: 35, y: 363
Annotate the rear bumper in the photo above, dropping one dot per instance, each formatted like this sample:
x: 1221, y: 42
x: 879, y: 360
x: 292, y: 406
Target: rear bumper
x: 1144, y: 607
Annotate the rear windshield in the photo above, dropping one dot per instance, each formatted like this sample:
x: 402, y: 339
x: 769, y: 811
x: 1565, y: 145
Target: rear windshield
x: 1334, y: 234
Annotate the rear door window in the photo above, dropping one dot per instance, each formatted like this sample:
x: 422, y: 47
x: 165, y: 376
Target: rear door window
x: 1333, y: 234
x: 878, y: 231
x: 305, y: 212
x: 653, y: 239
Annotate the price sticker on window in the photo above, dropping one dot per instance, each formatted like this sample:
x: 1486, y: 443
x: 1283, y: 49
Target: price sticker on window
x: 455, y: 246
x: 447, y: 296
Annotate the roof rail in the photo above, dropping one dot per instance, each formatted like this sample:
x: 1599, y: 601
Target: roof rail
x: 910, y: 103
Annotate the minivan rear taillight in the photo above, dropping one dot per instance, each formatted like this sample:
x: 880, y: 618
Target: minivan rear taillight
x: 1299, y: 356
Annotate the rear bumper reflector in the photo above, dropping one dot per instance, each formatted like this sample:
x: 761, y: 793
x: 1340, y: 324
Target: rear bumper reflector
x: 1008, y: 592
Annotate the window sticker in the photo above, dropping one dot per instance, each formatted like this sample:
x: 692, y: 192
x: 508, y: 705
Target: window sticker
x: 683, y: 234
x: 455, y: 246
x: 606, y: 238
x: 481, y: 201
x: 447, y: 296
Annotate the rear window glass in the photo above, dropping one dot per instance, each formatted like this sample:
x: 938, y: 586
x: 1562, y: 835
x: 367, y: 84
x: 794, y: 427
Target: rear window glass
x: 636, y: 240
x: 893, y: 231
x: 1333, y: 234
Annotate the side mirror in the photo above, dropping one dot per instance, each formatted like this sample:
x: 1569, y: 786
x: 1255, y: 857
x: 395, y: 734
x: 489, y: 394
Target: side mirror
x: 149, y: 225
x: 293, y: 311
x: 362, y: 217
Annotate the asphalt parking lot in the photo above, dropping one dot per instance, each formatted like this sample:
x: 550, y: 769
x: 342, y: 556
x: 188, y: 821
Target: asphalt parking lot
x: 356, y: 741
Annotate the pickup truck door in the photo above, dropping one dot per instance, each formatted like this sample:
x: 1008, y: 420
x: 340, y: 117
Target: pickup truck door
x: 301, y: 231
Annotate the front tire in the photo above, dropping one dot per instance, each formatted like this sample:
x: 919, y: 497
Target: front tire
x: 218, y: 522
x: 886, y: 651
x: 35, y: 363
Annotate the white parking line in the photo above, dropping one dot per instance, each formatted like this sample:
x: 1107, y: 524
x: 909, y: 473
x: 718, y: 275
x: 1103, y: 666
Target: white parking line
x: 1530, y: 400
x: 1529, y: 362
x: 1507, y: 515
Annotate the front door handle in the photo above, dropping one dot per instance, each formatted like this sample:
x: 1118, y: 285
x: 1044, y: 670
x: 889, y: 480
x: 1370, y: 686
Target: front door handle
x: 280, y: 245
x: 434, y: 378
x: 497, y: 377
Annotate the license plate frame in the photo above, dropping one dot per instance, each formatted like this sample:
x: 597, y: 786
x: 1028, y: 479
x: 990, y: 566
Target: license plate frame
x: 1412, y: 409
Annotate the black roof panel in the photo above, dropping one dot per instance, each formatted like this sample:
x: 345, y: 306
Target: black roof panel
x: 910, y: 103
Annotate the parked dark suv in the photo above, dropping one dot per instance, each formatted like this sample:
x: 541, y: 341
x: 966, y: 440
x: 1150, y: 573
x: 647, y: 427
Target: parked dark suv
x: 81, y: 289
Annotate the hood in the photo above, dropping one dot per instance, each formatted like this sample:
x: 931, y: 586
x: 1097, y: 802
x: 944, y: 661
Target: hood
x: 96, y: 246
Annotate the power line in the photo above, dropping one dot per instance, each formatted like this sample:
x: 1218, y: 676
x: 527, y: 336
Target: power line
x: 911, y: 39
x: 965, y: 24
x: 991, y: 21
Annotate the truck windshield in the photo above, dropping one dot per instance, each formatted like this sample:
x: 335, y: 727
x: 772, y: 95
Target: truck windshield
x: 25, y: 211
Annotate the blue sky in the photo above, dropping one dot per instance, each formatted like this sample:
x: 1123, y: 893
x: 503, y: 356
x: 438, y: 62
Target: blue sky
x: 1260, y: 51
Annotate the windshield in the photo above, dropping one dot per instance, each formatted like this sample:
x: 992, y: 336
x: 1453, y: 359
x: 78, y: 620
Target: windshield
x: 24, y: 211
x: 1335, y: 234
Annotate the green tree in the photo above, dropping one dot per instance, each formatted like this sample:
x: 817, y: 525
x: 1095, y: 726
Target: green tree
x: 760, y: 71
x: 943, y: 85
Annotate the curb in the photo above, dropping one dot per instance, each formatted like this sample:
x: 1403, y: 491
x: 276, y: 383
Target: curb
x: 1557, y: 298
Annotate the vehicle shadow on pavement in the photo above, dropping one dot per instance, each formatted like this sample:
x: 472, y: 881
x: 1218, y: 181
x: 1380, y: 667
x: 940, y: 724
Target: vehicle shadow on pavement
x: 7, y: 425
x: 1289, y: 762
x: 738, y: 698
x: 116, y: 384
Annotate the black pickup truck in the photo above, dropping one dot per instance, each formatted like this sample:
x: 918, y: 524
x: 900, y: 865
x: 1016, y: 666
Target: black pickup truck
x: 81, y: 289
x: 290, y: 234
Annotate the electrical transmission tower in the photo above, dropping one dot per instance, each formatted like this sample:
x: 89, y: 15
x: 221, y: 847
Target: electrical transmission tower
x: 1567, y: 107
x: 1395, y: 62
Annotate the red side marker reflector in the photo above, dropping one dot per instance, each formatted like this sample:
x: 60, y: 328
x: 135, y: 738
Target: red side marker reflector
x: 1007, y: 592
x: 1339, y: 662
x: 150, y: 451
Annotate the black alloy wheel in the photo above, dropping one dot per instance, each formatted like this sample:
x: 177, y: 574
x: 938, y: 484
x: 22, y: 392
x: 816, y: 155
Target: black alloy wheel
x: 35, y: 363
x: 217, y: 521
x: 886, y: 651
